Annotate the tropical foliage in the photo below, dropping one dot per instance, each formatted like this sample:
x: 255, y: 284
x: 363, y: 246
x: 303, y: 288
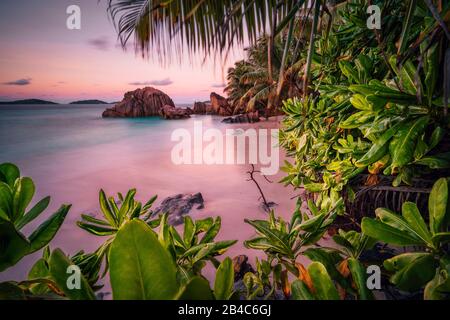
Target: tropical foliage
x: 16, y: 194
x: 357, y: 100
x: 427, y: 268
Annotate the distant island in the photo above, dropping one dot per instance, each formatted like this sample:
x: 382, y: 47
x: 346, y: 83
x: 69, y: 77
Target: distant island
x: 89, y: 102
x: 28, y: 101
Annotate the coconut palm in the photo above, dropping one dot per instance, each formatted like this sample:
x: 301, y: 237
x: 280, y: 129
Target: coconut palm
x: 211, y: 27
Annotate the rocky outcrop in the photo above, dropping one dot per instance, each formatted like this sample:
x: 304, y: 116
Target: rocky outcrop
x: 173, y: 113
x: 200, y: 108
x: 220, y: 105
x: 251, y: 117
x: 146, y: 102
x: 178, y: 206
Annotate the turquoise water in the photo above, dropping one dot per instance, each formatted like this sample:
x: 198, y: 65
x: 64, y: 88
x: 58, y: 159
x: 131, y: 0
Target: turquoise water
x: 71, y: 152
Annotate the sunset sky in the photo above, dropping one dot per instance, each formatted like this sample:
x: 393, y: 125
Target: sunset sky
x: 41, y: 58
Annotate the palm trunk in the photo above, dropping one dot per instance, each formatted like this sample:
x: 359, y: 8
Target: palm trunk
x: 312, y: 40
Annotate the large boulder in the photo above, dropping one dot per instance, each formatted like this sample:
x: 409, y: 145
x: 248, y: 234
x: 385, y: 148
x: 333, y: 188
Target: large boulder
x: 172, y: 113
x: 220, y: 105
x: 146, y: 102
x: 200, y: 107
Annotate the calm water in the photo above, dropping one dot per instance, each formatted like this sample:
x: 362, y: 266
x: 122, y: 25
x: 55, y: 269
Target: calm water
x: 71, y: 152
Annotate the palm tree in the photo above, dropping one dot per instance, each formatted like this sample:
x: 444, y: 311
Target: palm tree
x: 173, y: 27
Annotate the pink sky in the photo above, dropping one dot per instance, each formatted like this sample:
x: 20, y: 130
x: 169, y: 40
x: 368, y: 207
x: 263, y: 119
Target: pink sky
x: 54, y: 63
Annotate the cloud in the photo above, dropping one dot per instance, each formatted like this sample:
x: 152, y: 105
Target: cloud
x: 100, y: 43
x: 163, y: 82
x: 218, y: 85
x: 19, y: 82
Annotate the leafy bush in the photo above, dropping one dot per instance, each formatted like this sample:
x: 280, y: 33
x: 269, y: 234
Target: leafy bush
x: 16, y: 194
x: 428, y: 267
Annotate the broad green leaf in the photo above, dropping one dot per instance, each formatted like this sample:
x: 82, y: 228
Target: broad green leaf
x: 398, y: 222
x: 412, y: 270
x: 359, y: 277
x: 300, y: 291
x: 411, y: 214
x: 223, y: 286
x: 13, y: 245
x: 48, y: 229
x: 436, y: 137
x: 23, y: 193
x: 6, y: 200
x: 383, y: 232
x: 379, y: 148
x: 329, y: 259
x: 33, y: 213
x: 437, y: 205
x: 404, y: 142
x: 10, y: 172
x: 39, y: 270
x: 59, y: 265
x: 196, y: 289
x: 140, y: 268
x: 325, y: 289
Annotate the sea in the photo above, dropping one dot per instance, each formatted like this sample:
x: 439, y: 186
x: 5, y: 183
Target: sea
x: 71, y: 152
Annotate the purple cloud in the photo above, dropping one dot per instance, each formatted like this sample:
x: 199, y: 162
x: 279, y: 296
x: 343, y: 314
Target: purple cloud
x: 218, y: 85
x: 163, y: 82
x: 19, y: 82
x: 101, y: 43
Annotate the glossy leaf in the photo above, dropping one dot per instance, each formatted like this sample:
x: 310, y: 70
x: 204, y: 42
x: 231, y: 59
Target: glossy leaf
x: 437, y: 205
x: 13, y: 245
x: 140, y: 268
x: 325, y: 289
x: 59, y: 263
x: 33, y: 213
x: 383, y: 232
x: 412, y: 270
x: 223, y: 286
x: 10, y: 173
x: 47, y: 230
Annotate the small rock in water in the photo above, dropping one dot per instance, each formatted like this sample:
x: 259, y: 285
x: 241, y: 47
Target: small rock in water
x: 251, y: 117
x: 179, y: 205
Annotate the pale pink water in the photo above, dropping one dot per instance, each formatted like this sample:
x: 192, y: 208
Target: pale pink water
x: 74, y: 158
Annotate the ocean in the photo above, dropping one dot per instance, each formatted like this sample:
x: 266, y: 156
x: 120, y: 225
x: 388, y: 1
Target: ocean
x: 71, y: 152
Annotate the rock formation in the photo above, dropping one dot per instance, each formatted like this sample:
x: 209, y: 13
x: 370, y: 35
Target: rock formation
x: 200, y: 108
x: 220, y: 105
x: 146, y: 102
x: 178, y: 206
x: 172, y: 113
x: 250, y: 117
